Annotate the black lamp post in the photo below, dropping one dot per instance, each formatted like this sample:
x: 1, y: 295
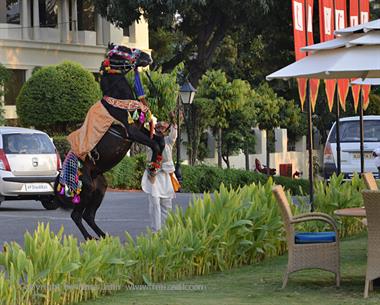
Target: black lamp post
x: 186, y: 96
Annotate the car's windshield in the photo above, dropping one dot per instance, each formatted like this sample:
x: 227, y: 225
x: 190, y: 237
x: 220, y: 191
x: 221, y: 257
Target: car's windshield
x: 350, y: 131
x: 27, y: 143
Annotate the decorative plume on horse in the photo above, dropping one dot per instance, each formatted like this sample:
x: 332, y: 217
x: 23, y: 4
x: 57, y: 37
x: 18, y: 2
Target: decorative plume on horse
x: 121, y: 117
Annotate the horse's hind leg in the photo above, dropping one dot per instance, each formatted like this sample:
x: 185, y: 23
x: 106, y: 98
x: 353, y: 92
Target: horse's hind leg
x: 76, y: 216
x: 96, y: 199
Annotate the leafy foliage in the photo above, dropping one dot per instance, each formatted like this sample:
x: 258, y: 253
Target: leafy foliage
x: 229, y: 229
x: 163, y: 96
x: 4, y: 77
x: 225, y: 98
x: 128, y: 173
x: 200, y: 24
x: 56, y: 98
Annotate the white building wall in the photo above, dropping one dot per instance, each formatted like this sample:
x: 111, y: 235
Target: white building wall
x: 298, y: 158
x: 25, y: 47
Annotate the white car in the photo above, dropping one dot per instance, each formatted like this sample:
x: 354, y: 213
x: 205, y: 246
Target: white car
x: 350, y: 146
x: 29, y: 165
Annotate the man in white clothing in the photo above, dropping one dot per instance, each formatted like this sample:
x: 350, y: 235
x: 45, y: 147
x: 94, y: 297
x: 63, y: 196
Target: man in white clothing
x: 161, y: 191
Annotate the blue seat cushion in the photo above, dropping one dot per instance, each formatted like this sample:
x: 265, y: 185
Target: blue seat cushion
x: 314, y: 237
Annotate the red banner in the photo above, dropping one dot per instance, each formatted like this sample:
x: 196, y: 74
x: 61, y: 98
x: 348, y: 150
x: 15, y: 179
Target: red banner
x: 354, y: 12
x: 341, y: 23
x: 364, y: 17
x: 326, y: 25
x: 364, y: 11
x: 314, y: 82
x: 298, y: 12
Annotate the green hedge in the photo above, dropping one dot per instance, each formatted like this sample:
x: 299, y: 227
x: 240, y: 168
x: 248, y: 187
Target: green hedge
x: 62, y: 145
x: 202, y: 178
x: 128, y: 173
x: 198, y: 179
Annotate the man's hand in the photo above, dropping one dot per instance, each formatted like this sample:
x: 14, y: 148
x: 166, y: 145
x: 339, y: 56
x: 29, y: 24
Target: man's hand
x: 172, y: 116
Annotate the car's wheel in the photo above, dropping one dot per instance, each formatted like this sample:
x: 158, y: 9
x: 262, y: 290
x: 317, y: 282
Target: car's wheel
x: 49, y: 204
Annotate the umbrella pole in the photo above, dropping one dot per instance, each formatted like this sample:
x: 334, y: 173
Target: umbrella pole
x: 361, y: 123
x: 337, y: 128
x: 310, y: 145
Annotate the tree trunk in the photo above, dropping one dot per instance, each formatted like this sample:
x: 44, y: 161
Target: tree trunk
x: 246, y: 153
x: 220, y: 147
x: 268, y: 154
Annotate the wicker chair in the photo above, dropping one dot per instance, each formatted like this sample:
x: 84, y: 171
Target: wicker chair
x: 370, y: 181
x: 371, y: 184
x: 315, y: 253
x: 372, y: 206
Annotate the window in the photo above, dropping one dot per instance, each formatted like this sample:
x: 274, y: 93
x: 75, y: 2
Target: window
x: 86, y: 15
x: 27, y: 143
x: 350, y: 131
x: 10, y: 11
x: 48, y: 10
x: 13, y: 86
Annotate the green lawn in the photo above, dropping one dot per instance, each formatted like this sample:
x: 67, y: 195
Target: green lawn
x: 261, y: 284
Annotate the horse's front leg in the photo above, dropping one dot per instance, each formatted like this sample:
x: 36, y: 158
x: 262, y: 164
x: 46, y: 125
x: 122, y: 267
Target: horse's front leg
x: 76, y: 216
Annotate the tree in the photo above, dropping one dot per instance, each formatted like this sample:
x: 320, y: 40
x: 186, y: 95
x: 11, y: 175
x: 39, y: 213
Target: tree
x: 202, y: 24
x: 239, y: 135
x: 268, y: 106
x: 161, y: 95
x: 56, y: 98
x: 162, y: 92
x: 4, y: 77
x: 224, y: 97
x: 198, y: 116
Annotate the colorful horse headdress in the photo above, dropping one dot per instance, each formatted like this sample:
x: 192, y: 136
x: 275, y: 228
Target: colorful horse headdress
x: 121, y: 59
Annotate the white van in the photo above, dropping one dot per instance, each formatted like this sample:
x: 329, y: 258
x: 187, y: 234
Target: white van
x: 350, y: 146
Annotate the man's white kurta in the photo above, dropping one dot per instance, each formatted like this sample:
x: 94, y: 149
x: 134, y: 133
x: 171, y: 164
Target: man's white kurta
x: 163, y: 187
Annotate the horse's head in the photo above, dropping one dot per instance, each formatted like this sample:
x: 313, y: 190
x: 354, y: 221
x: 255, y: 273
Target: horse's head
x: 122, y: 57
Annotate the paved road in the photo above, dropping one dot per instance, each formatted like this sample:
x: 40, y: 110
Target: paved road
x: 119, y: 212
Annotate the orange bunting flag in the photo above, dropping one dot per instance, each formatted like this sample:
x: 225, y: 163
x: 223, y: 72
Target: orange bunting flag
x: 314, y: 87
x: 366, y: 89
x: 343, y: 86
x: 355, y: 89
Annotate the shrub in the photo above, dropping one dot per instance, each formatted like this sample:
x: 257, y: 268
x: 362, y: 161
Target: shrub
x: 198, y: 179
x: 4, y: 78
x: 202, y: 178
x: 128, y: 173
x: 56, y: 98
x: 62, y: 145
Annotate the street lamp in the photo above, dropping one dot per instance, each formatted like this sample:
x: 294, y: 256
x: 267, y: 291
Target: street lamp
x: 186, y: 96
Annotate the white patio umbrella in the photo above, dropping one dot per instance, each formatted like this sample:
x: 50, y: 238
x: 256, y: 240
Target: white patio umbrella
x: 341, y: 62
x: 366, y: 81
x: 354, y: 54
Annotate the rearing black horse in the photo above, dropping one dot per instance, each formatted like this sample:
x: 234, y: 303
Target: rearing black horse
x: 116, y: 142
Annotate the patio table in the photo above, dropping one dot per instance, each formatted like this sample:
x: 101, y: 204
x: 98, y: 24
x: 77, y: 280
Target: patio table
x: 351, y: 212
